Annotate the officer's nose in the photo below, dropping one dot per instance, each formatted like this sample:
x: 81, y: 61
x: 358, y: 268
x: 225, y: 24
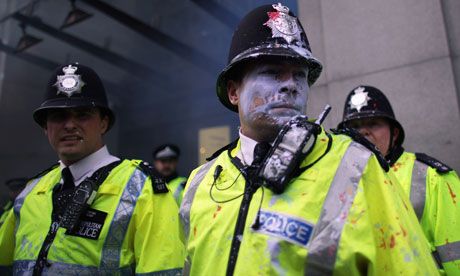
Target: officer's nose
x: 288, y: 84
x: 69, y: 123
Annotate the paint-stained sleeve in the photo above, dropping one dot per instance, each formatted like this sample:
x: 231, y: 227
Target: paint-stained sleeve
x: 158, y: 238
x: 7, y: 241
x: 441, y: 218
x: 399, y: 245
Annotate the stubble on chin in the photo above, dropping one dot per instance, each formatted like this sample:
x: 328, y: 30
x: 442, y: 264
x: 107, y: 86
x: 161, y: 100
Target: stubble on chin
x: 265, y: 126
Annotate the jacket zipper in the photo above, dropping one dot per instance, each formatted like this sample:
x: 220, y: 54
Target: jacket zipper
x: 239, y: 228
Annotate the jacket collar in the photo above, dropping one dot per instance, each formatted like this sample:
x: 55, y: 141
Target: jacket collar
x: 321, y: 147
x: 394, y: 155
x: 86, y: 166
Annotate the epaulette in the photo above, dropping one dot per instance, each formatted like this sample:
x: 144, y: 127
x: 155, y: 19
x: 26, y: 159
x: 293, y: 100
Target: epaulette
x: 432, y: 162
x: 158, y: 183
x: 219, y: 151
x: 357, y: 137
x: 45, y: 171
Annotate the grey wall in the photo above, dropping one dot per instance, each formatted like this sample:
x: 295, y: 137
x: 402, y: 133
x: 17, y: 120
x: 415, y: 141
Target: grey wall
x: 408, y: 49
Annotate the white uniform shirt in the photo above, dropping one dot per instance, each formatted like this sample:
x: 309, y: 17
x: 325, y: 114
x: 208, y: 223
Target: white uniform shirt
x: 246, y: 153
x: 88, y: 165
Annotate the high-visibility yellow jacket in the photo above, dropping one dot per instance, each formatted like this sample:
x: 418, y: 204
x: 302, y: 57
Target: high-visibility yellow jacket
x: 177, y: 188
x: 342, y: 216
x: 435, y: 197
x: 141, y: 233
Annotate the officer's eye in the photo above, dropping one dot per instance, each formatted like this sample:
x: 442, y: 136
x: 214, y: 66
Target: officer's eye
x: 377, y: 125
x: 84, y: 114
x: 57, y: 116
x: 300, y: 75
x: 270, y: 72
x: 355, y: 125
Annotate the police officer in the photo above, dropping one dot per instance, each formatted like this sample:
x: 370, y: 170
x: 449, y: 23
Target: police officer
x: 165, y: 159
x: 91, y: 213
x: 431, y: 185
x: 258, y: 207
x: 15, y: 186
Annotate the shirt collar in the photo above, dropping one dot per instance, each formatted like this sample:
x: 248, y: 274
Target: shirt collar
x: 86, y: 166
x: 246, y: 153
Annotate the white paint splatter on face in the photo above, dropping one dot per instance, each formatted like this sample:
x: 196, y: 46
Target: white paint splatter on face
x: 271, y: 94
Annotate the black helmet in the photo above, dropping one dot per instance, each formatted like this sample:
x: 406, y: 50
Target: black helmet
x: 267, y: 31
x: 74, y: 85
x: 369, y: 102
x: 166, y: 151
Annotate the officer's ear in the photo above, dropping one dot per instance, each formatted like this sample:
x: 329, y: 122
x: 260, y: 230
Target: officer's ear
x: 395, y: 134
x: 104, y: 123
x: 232, y: 91
x: 105, y: 120
x: 44, y: 125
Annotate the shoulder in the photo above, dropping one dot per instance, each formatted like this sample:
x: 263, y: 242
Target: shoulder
x: 220, y: 156
x: 158, y: 183
x: 432, y: 162
x: 214, y: 166
x: 366, y: 144
x: 182, y: 180
x: 204, y: 168
x: 408, y: 155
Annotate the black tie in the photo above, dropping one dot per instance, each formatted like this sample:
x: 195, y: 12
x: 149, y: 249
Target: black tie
x: 62, y: 194
x: 260, y: 150
x: 67, y: 178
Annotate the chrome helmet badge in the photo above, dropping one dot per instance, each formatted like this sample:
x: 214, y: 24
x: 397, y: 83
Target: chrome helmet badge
x: 360, y: 99
x: 69, y: 83
x: 282, y: 24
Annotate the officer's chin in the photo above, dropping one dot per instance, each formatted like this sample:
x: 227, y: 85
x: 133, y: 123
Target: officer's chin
x: 273, y: 120
x: 267, y: 126
x: 166, y: 173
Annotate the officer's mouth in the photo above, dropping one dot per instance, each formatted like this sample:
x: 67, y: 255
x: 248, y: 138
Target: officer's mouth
x: 283, y: 107
x: 71, y: 138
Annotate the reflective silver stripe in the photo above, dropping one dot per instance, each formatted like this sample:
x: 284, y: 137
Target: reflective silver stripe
x: 26, y: 267
x: 177, y: 192
x: 187, y: 266
x: 322, y: 250
x: 418, y: 188
x: 19, y: 201
x: 449, y: 252
x: 168, y: 272
x: 188, y: 197
x: 112, y: 246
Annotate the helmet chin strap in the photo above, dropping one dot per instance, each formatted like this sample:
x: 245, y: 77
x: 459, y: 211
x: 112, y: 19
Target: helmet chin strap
x: 389, y: 154
x: 394, y: 151
x: 392, y: 129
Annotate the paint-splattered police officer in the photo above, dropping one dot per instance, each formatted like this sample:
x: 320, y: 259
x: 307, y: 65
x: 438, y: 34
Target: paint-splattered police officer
x: 432, y: 186
x: 287, y: 198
